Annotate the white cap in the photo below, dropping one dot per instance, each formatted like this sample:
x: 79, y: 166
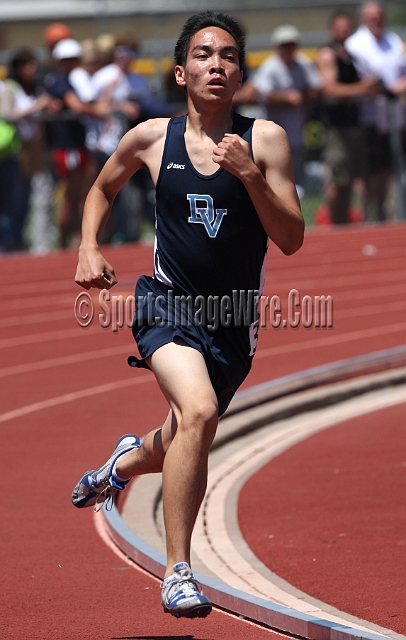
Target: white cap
x: 67, y: 48
x: 285, y: 34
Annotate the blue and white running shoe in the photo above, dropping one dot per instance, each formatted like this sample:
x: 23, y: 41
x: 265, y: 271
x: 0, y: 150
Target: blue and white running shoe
x: 182, y: 595
x: 98, y: 485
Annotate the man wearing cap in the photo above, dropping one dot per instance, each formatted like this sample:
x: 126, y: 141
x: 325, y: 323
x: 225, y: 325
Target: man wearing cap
x: 284, y: 82
x: 67, y: 139
x: 70, y: 155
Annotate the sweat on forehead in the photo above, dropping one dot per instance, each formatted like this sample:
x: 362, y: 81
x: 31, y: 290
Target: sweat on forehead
x: 200, y: 21
x: 201, y: 42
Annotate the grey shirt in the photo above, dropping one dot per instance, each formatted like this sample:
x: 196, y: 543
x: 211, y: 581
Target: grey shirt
x: 274, y: 75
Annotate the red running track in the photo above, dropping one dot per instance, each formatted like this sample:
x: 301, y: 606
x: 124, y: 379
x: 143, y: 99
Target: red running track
x: 332, y: 520
x: 67, y: 394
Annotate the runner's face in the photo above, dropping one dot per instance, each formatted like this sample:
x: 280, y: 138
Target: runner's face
x: 212, y: 69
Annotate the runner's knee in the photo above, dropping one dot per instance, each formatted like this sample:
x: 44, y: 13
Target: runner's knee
x: 201, y: 417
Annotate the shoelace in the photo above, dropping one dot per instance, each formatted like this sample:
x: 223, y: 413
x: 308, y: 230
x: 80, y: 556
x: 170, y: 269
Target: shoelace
x: 187, y: 585
x: 106, y: 496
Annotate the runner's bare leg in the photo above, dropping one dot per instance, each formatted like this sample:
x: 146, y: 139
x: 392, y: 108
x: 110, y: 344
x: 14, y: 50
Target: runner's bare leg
x: 150, y: 457
x: 182, y: 375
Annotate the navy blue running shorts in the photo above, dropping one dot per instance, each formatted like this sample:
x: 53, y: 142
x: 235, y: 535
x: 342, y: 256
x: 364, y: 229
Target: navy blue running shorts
x: 161, y: 317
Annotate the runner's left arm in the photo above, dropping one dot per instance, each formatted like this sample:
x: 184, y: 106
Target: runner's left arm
x: 269, y: 181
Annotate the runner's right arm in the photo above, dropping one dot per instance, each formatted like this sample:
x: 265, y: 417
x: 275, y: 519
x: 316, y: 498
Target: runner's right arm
x: 134, y: 151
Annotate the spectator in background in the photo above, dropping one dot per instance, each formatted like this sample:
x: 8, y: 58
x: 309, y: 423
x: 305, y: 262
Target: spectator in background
x: 105, y: 43
x: 81, y: 76
x: 55, y: 32
x: 150, y: 105
x: 43, y: 230
x: 284, y: 83
x: 138, y: 194
x: 21, y: 102
x: 378, y: 53
x: 81, y: 80
x: 344, y: 150
x: 111, y: 83
x: 71, y: 158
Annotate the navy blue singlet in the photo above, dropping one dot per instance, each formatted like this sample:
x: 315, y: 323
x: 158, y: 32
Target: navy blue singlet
x: 209, y: 239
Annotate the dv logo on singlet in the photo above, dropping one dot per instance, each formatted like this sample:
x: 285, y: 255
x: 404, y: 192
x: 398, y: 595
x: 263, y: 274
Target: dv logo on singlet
x: 202, y: 212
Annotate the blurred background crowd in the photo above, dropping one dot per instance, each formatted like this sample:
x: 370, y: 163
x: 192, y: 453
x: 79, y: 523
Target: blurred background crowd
x: 62, y: 114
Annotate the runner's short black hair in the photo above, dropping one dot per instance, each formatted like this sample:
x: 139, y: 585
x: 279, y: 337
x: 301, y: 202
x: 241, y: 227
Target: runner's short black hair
x: 200, y: 21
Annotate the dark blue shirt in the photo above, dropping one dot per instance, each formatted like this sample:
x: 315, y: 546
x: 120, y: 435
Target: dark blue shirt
x: 209, y: 239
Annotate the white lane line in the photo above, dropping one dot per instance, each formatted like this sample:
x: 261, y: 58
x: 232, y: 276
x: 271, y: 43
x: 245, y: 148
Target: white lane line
x: 372, y: 293
x: 111, y: 351
x: 64, y: 360
x: 143, y: 378
x: 18, y: 288
x: 37, y: 301
x: 100, y: 527
x: 211, y: 541
x: 348, y: 280
x: 399, y: 327
x: 65, y: 300
x: 289, y: 279
x: 47, y: 336
x: 38, y: 318
x: 371, y: 310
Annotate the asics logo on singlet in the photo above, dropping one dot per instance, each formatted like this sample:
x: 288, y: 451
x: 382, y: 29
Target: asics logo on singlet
x: 173, y: 165
x: 202, y: 212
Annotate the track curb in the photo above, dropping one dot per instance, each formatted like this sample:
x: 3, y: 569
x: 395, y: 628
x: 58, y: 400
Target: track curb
x: 258, y: 400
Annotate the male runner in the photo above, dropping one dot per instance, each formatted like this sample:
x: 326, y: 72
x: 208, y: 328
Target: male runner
x: 224, y: 184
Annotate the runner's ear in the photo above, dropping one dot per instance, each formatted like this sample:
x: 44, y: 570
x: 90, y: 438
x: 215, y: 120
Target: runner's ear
x: 180, y: 76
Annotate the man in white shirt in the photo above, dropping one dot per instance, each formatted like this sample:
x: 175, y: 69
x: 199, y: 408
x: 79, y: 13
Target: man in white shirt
x: 378, y: 53
x: 110, y: 83
x: 344, y: 150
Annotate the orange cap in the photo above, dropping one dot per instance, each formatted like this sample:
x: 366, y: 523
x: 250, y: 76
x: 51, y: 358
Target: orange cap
x: 55, y: 32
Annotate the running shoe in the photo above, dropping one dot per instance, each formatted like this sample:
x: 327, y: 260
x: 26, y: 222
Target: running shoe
x: 182, y: 595
x: 98, y: 485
